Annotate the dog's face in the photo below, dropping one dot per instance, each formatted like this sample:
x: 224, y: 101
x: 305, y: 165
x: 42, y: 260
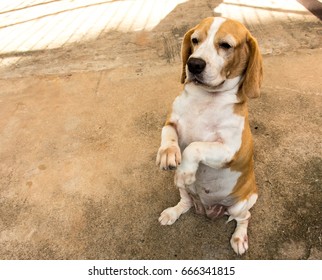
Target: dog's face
x: 220, y: 50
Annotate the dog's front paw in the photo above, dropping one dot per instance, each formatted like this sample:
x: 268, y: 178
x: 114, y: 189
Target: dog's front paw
x: 185, y: 177
x: 169, y: 216
x: 169, y: 157
x: 239, y: 242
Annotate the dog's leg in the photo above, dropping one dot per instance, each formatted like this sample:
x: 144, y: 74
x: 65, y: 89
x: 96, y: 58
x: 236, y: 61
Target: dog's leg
x: 170, y: 215
x: 213, y: 154
x: 240, y: 213
x: 169, y: 154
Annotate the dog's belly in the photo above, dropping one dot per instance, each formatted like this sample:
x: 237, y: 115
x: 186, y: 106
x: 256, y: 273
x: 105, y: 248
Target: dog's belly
x: 214, y: 186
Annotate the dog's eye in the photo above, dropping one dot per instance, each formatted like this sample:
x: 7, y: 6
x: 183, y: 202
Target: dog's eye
x: 194, y: 41
x: 225, y: 46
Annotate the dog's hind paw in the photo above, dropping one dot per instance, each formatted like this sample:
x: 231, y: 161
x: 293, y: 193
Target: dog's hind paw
x: 239, y: 243
x: 168, y: 216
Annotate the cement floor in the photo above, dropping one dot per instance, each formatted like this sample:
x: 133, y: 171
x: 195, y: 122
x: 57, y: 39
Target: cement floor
x: 80, y: 126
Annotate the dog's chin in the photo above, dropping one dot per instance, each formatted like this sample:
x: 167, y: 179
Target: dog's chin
x: 206, y: 86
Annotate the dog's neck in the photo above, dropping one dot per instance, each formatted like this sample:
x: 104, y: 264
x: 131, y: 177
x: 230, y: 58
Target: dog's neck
x: 227, y: 91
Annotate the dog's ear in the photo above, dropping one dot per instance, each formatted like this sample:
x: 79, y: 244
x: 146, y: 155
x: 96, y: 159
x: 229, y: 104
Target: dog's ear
x: 186, y: 51
x: 254, y: 72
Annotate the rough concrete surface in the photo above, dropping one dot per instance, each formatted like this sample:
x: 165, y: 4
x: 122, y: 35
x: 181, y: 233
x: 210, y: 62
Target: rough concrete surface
x: 80, y: 127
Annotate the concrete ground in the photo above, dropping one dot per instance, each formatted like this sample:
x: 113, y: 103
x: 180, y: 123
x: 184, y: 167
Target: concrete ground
x: 80, y: 119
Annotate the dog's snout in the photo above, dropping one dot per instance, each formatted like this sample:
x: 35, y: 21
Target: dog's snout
x: 196, y: 65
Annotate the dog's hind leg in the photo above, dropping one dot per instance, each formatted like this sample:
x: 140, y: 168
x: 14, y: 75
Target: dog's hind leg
x: 240, y: 213
x: 171, y: 214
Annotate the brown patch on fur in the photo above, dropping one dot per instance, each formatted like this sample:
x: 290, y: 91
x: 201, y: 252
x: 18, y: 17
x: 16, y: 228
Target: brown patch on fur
x: 238, y: 56
x: 254, y: 72
x: 186, y: 51
x: 236, y: 239
x: 168, y: 122
x: 244, y: 57
x: 243, y: 160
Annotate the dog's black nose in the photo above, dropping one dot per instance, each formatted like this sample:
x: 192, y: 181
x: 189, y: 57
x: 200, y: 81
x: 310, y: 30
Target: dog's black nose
x: 196, y: 65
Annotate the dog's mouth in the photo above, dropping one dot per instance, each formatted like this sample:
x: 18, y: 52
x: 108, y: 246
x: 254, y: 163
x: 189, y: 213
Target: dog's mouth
x: 197, y: 81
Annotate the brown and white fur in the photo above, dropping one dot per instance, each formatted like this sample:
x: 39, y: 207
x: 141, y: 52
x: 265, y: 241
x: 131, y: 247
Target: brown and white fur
x: 207, y: 136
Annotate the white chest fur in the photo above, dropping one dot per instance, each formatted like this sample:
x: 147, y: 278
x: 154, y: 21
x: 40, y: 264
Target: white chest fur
x: 209, y: 117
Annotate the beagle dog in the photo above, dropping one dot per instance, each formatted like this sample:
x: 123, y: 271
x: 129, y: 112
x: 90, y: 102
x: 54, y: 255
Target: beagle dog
x: 207, y: 137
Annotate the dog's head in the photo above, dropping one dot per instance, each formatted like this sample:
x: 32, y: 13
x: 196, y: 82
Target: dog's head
x: 220, y: 50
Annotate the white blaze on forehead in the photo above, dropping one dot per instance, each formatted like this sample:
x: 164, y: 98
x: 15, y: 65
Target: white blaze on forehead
x: 213, y: 29
x: 218, y: 21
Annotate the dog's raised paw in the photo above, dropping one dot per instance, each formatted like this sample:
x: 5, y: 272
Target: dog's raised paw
x: 169, y: 157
